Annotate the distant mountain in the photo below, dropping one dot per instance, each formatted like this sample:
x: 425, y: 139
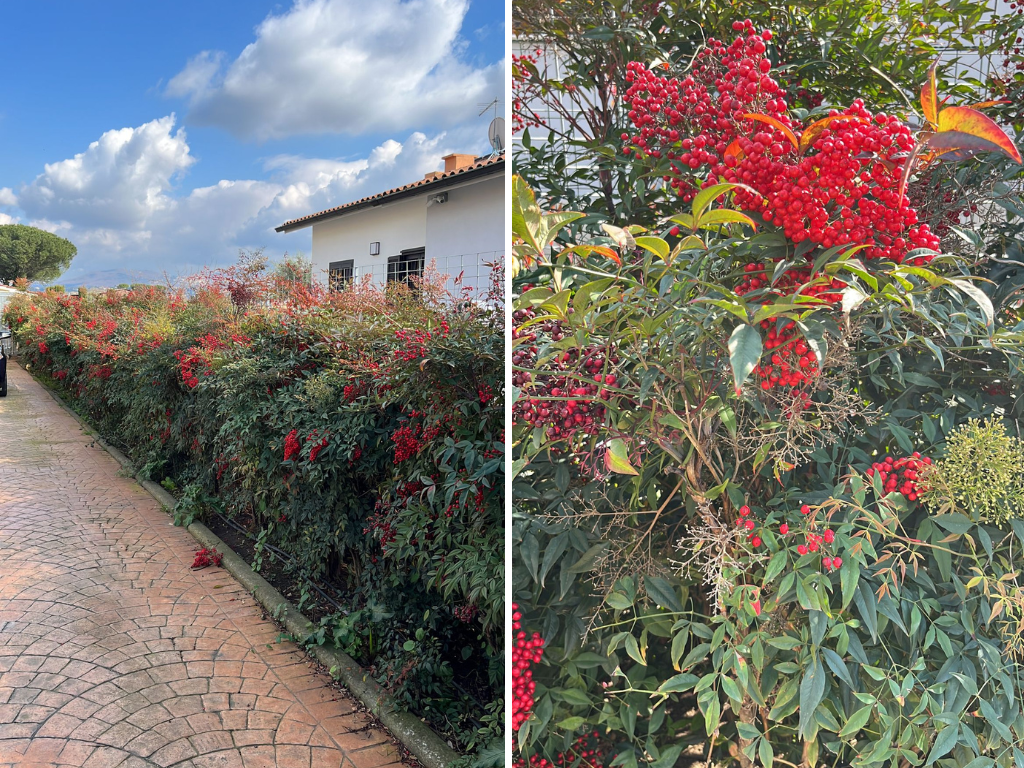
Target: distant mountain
x: 109, y: 278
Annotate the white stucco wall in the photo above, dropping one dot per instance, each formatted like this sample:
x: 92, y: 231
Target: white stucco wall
x: 397, y: 226
x: 468, y: 231
x: 461, y: 235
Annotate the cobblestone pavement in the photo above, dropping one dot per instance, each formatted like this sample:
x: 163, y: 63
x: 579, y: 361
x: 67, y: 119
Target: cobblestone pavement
x: 113, y: 652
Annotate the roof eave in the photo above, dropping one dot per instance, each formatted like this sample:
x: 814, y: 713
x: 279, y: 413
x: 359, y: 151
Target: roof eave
x: 448, y: 181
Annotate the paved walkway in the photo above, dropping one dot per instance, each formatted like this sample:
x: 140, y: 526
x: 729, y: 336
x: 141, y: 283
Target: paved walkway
x: 113, y: 652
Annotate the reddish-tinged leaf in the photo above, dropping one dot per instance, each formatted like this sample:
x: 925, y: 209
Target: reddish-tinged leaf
x: 974, y: 123
x: 734, y: 151
x: 984, y: 104
x: 956, y: 145
x: 930, y: 97
x: 616, y: 458
x: 813, y: 131
x: 774, y: 123
x: 908, y: 168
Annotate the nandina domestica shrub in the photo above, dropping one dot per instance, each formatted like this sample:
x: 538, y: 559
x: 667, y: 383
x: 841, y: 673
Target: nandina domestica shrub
x: 360, y: 432
x: 737, y: 525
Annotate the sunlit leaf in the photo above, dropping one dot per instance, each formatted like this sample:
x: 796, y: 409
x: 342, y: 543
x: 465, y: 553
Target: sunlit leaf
x: 775, y: 123
x: 720, y: 216
x: 616, y: 458
x: 930, y: 96
x: 734, y: 151
x: 974, y: 123
x: 655, y: 245
x: 703, y: 199
x: 814, y: 130
x: 744, y: 353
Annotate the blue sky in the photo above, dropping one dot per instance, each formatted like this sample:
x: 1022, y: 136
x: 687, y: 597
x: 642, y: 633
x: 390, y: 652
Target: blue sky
x: 165, y: 136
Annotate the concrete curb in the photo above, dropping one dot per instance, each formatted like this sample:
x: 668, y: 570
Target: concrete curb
x: 428, y: 747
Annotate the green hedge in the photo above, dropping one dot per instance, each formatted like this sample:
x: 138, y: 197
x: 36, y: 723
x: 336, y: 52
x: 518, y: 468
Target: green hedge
x: 359, y: 432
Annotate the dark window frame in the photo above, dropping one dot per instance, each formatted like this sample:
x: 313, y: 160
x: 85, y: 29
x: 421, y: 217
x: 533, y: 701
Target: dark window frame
x: 340, y: 274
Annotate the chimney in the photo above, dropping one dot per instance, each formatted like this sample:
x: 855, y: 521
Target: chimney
x: 455, y: 162
x: 432, y: 175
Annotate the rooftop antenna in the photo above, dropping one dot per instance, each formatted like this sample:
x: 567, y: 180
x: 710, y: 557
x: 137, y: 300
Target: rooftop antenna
x: 496, y: 130
x: 492, y: 103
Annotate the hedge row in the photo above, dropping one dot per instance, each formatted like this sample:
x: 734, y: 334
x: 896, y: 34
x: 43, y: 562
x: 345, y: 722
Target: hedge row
x: 359, y: 432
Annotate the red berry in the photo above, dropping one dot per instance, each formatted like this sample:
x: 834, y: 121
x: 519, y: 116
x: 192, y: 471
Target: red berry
x: 784, y: 529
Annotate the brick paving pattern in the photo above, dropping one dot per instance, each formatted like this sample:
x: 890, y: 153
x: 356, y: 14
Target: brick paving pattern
x: 113, y: 652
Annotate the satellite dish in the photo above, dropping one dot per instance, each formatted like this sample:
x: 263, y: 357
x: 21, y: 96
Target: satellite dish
x: 496, y: 134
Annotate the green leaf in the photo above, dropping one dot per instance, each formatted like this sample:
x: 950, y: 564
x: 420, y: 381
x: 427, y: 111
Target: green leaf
x: 744, y: 353
x: 703, y: 199
x: 529, y: 550
x: 849, y: 576
x: 712, y: 715
x: 681, y: 682
x: 979, y: 297
x: 668, y: 758
x: 633, y: 649
x: 812, y: 689
x: 655, y: 245
x: 571, y: 723
x: 837, y: 665
x: 775, y: 566
x: 586, y: 562
x: 616, y: 458
x: 765, y: 753
x: 954, y: 523
x: 732, y: 689
x: 944, y: 743
x: 618, y: 601
x: 662, y: 593
x: 857, y: 721
x: 716, y: 218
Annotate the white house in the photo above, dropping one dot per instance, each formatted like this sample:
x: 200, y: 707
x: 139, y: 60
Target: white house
x: 453, y: 218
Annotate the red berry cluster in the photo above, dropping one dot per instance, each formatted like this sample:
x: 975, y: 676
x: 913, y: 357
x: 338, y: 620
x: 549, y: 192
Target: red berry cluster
x: 351, y: 392
x: 380, y: 525
x: 194, y: 361
x: 791, y: 363
x: 746, y: 522
x: 524, y: 91
x: 1016, y: 62
x: 565, y: 399
x: 206, y: 557
x: 796, y: 279
x: 526, y: 651
x: 465, y: 613
x: 813, y: 542
x: 586, y: 752
x: 315, y: 450
x: 900, y: 475
x: 43, y: 349
x: 843, y: 192
x: 407, y: 442
x: 292, y: 445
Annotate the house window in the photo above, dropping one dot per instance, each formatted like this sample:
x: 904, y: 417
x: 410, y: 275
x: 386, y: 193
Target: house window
x: 406, y: 266
x: 339, y: 274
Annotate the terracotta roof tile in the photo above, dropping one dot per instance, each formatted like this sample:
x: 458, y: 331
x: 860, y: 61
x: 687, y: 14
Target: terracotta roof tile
x: 435, y: 180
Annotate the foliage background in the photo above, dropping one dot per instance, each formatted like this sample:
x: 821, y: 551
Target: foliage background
x: 669, y: 638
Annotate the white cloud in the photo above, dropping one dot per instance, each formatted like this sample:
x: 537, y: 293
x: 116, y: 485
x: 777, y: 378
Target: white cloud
x: 6, y: 219
x: 118, y: 182
x: 342, y: 66
x: 7, y: 196
x: 117, y: 201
